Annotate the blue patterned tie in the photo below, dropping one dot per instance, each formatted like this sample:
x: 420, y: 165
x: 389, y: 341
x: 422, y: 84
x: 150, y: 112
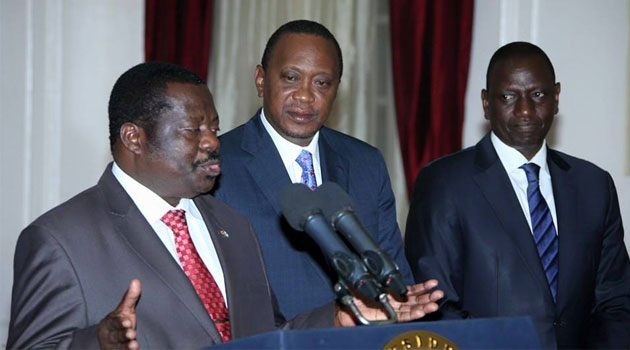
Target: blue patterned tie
x: 542, y: 225
x: 305, y: 159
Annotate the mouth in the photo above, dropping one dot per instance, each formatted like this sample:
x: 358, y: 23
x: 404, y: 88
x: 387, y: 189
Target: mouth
x: 301, y: 116
x: 527, y: 127
x: 210, y: 166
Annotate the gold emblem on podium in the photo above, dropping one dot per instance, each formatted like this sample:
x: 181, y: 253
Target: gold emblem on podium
x: 420, y: 340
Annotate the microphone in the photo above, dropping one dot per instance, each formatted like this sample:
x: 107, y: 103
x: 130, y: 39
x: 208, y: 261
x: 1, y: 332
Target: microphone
x: 302, y: 213
x: 337, y: 206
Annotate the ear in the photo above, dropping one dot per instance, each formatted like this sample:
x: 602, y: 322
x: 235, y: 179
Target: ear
x: 557, y: 98
x: 485, y: 103
x: 259, y: 79
x: 132, y: 137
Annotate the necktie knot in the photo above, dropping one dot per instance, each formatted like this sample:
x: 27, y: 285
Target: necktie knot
x: 175, y: 219
x: 305, y: 160
x: 531, y: 171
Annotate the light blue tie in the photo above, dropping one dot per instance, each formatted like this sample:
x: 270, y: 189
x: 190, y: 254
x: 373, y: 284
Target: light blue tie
x: 542, y: 226
x: 305, y: 159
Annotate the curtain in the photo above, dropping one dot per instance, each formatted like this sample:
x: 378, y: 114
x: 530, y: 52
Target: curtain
x: 430, y: 53
x: 364, y: 107
x: 179, y: 32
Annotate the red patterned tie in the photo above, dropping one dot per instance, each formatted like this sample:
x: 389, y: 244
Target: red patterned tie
x: 199, y: 276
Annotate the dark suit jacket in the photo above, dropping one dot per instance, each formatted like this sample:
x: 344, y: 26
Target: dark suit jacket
x: 73, y: 264
x: 252, y: 176
x: 467, y: 229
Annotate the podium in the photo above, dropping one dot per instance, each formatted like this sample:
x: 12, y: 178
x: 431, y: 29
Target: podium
x: 489, y: 333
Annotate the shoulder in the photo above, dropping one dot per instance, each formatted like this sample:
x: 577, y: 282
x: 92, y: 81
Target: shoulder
x: 347, y: 143
x: 446, y: 176
x: 232, y: 138
x: 224, y: 214
x: 452, y: 165
x: 573, y: 162
x: 579, y: 169
x: 74, y: 211
x: 218, y: 208
x: 69, y: 224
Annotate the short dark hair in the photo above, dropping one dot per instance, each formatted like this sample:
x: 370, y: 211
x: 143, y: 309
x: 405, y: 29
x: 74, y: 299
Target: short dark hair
x: 517, y: 49
x: 139, y: 95
x: 300, y: 26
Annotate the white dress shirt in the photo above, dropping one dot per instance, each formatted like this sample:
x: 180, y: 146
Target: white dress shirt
x: 290, y: 151
x: 153, y: 207
x: 512, y: 160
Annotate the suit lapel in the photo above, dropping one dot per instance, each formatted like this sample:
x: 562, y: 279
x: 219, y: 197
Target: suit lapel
x: 265, y: 165
x: 269, y: 173
x: 334, y: 166
x: 225, y: 252
x: 134, y: 229
x: 497, y: 189
x: 566, y: 201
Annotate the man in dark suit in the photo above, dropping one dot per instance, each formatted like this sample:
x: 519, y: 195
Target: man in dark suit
x: 147, y: 221
x: 511, y: 227
x: 298, y: 79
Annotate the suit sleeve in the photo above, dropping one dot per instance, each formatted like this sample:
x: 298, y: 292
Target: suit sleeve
x: 319, y: 317
x: 47, y: 306
x: 389, y: 236
x: 610, y: 319
x: 433, y: 241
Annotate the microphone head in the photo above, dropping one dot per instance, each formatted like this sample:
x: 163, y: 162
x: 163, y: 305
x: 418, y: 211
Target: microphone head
x: 332, y: 199
x: 297, y: 203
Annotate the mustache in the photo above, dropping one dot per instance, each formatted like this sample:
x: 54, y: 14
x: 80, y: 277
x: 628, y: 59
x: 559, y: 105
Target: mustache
x: 526, y: 121
x: 213, y: 157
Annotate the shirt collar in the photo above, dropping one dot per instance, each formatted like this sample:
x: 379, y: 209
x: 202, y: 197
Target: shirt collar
x: 513, y: 159
x: 288, y: 150
x: 152, y: 206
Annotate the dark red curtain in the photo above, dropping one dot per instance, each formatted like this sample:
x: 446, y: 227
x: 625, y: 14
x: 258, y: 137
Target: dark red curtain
x: 430, y: 56
x: 179, y: 32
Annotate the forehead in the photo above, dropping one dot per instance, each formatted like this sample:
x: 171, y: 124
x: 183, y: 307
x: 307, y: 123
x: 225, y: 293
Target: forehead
x: 304, y: 49
x: 186, y: 95
x: 527, y: 70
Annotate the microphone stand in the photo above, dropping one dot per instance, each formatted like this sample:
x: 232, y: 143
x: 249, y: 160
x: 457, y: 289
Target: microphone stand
x: 345, y: 297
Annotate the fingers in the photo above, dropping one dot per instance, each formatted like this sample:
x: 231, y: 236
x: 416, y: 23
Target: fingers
x: 129, y: 300
x: 408, y: 313
x: 118, y: 329
x: 436, y: 295
x: 422, y: 287
x: 421, y: 300
x: 115, y: 333
x: 426, y: 297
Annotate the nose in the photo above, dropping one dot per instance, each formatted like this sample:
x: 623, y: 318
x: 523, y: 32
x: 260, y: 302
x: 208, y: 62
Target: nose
x: 209, y: 141
x: 303, y: 93
x: 523, y: 107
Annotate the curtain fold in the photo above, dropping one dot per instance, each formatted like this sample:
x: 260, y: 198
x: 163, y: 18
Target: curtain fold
x: 430, y: 55
x: 179, y: 32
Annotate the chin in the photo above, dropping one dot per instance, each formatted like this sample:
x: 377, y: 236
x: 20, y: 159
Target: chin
x: 207, y: 185
x: 302, y: 134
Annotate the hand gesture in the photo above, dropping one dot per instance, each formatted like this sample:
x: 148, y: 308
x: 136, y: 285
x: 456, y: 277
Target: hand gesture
x: 118, y: 329
x: 420, y: 300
